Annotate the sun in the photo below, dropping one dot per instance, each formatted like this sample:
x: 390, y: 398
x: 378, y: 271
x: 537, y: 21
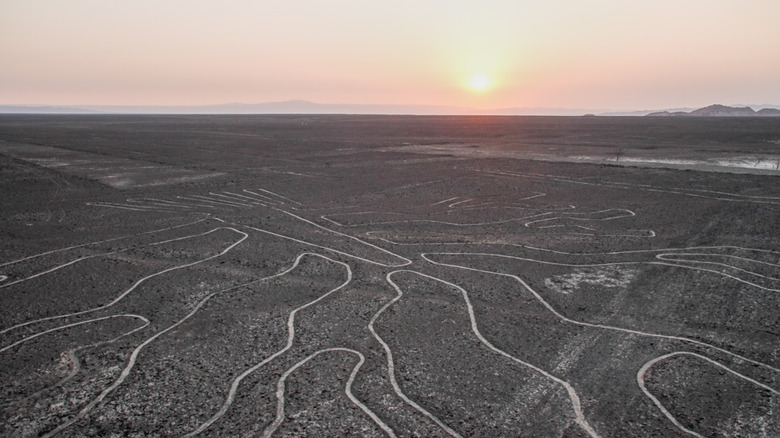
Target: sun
x: 479, y: 83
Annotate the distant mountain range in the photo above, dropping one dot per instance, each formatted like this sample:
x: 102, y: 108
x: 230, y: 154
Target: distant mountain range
x: 720, y: 111
x: 285, y: 107
x: 306, y: 107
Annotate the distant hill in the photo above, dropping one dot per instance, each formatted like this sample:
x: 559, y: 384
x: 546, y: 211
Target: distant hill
x: 286, y: 107
x: 720, y: 111
x: 44, y: 109
x: 307, y: 107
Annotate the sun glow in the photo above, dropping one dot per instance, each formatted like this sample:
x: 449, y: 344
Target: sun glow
x: 479, y: 83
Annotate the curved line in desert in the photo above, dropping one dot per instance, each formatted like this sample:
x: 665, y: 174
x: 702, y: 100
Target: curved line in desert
x: 102, y: 241
x: 136, y: 352
x: 640, y: 380
x: 680, y: 264
x: 391, y: 364
x: 588, y: 324
x: 80, y: 259
x: 571, y: 216
x: 139, y: 282
x: 76, y: 363
x: 130, y: 364
x: 593, y: 265
x: 575, y: 399
x: 667, y: 257
x: 431, y: 221
x: 348, y: 390
x: 75, y: 324
x: 58, y: 267
x: 290, y: 338
x: 672, y: 257
x: 675, y: 191
x: 349, y: 237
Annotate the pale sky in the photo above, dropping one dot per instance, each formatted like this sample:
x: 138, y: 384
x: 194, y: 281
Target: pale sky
x: 609, y: 54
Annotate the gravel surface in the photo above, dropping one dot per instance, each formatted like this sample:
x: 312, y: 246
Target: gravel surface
x: 388, y: 276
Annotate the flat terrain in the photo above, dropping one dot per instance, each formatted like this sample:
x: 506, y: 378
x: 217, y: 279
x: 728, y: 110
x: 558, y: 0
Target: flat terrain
x: 389, y: 276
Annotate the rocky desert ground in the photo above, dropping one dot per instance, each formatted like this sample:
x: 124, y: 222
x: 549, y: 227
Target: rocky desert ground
x: 389, y: 276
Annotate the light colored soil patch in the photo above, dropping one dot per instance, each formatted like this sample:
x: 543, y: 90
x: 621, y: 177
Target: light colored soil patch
x: 609, y: 277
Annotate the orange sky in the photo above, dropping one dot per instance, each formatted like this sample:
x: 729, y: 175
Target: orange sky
x: 608, y: 54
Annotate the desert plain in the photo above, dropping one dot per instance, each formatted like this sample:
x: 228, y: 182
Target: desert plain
x: 311, y: 275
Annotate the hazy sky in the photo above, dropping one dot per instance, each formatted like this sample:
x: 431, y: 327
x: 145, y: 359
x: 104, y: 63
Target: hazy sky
x: 610, y: 54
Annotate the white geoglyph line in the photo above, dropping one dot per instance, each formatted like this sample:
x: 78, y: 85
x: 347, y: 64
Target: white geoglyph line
x: 280, y: 196
x: 143, y: 207
x: 371, y: 234
x: 446, y: 200
x: 124, y: 207
x: 587, y: 324
x: 214, y: 200
x: 166, y: 202
x: 348, y: 390
x: 675, y: 257
x: 131, y: 362
x: 638, y: 251
x: 717, y: 255
x: 229, y: 201
x: 638, y: 234
x: 756, y: 274
x: 155, y: 203
x: 575, y: 399
x: 102, y: 241
x: 664, y: 256
x: 406, y: 261
x: 391, y: 364
x: 139, y: 282
x: 459, y: 202
x: 245, y: 198
x: 191, y: 204
x: 207, y: 200
x: 236, y: 200
x: 264, y: 198
x: 676, y: 191
x: 75, y: 368
x: 570, y: 216
x: 58, y: 267
x: 454, y: 224
x: 314, y: 245
x: 80, y: 259
x: 290, y: 337
x: 640, y: 379
x: 76, y: 363
x: 67, y: 326
x: 220, y: 201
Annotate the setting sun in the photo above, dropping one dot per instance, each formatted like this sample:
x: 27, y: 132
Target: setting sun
x: 479, y: 83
